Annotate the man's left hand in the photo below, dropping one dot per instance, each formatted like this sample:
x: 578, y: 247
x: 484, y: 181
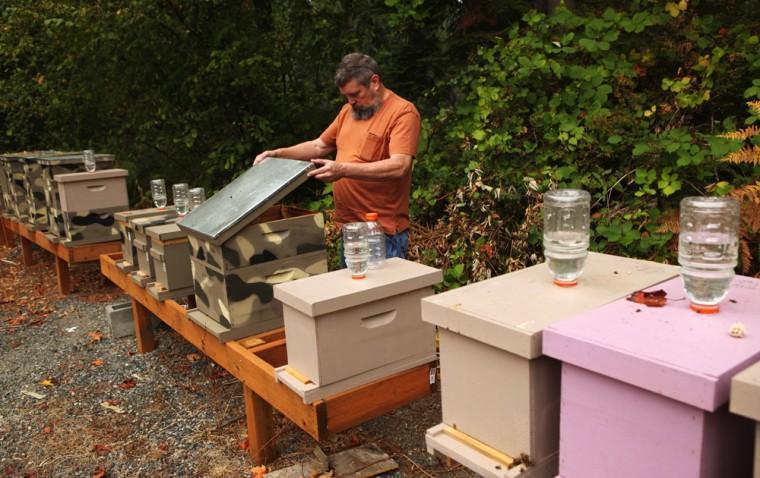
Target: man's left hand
x: 327, y: 170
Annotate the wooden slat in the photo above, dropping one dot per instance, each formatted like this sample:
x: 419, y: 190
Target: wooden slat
x: 259, y: 417
x: 478, y: 445
x: 348, y: 409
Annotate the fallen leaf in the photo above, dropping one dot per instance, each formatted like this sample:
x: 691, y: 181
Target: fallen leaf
x: 258, y: 471
x: 97, y: 362
x: 49, y: 382
x: 48, y: 429
x: 36, y: 395
x: 650, y: 299
x: 163, y: 446
x: 128, y: 383
x: 243, y: 445
x: 100, y: 472
x: 101, y: 449
x: 193, y: 357
x: 111, y: 407
x: 95, y: 336
x: 17, y: 320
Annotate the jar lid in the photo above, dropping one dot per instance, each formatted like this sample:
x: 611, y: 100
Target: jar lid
x: 567, y: 197
x: 371, y: 216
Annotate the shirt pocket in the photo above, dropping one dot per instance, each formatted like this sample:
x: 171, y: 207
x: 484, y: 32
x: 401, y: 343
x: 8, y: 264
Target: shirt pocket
x: 372, y: 148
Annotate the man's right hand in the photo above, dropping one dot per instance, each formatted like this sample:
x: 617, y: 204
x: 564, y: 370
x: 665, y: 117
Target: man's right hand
x: 262, y: 156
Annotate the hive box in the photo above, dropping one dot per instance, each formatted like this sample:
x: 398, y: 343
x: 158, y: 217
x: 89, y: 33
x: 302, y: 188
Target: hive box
x: 654, y: 382
x: 342, y: 332
x: 34, y: 187
x: 745, y: 401
x: 63, y: 163
x: 242, y: 244
x: 13, y: 169
x: 170, y: 254
x: 496, y: 386
x: 89, y: 202
x: 128, y: 263
x: 145, y: 273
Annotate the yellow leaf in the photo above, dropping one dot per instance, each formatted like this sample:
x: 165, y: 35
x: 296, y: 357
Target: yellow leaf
x: 48, y: 382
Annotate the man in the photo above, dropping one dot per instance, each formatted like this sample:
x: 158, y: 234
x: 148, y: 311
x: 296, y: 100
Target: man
x: 375, y: 135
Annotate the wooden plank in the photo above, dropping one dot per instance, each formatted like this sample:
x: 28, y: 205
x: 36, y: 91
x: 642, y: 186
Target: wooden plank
x: 26, y: 251
x: 348, y: 409
x: 146, y: 341
x: 275, y: 353
x: 478, y: 445
x: 63, y: 276
x: 91, y: 252
x: 259, y: 418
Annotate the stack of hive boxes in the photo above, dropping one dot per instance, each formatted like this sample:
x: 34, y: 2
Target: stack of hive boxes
x: 34, y: 187
x: 241, y: 245
x: 66, y: 163
x: 15, y: 197
x: 145, y: 273
x: 745, y: 401
x: 170, y: 255
x: 128, y: 263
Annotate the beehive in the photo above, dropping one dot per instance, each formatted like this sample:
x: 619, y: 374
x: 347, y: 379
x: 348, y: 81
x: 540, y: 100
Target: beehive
x: 170, y: 254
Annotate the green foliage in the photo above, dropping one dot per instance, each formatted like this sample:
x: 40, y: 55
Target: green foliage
x: 625, y: 103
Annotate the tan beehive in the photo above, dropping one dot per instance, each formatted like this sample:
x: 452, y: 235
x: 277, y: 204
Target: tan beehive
x: 170, y: 253
x: 745, y: 401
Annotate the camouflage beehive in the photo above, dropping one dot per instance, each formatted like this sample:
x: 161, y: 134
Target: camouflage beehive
x: 34, y: 187
x: 128, y: 263
x: 63, y: 163
x: 12, y: 167
x: 242, y: 244
x: 170, y: 254
x: 88, y: 202
x: 145, y: 273
x: 4, y: 191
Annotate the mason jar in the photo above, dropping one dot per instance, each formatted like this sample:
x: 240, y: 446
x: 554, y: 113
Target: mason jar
x: 566, y: 233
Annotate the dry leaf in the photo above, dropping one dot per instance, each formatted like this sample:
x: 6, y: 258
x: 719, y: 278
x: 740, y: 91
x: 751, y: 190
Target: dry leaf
x: 49, y: 382
x: 128, y: 383
x: 650, y: 299
x: 243, y: 445
x: 111, y: 406
x: 100, y: 472
x: 48, y: 429
x: 95, y: 336
x: 97, y: 362
x: 36, y: 395
x: 258, y: 471
x: 193, y: 357
x: 101, y: 449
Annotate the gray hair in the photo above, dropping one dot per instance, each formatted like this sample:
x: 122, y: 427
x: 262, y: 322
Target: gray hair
x: 356, y: 66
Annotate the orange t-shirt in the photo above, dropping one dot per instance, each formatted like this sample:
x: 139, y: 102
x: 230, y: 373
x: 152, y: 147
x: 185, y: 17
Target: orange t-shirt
x: 393, y: 129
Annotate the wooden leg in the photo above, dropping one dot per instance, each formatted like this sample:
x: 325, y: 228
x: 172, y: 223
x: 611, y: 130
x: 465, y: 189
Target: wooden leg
x: 146, y: 342
x: 5, y: 237
x: 26, y: 251
x: 63, y: 276
x: 260, y: 421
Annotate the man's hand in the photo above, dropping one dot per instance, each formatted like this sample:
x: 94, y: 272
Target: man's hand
x: 327, y: 170
x: 262, y: 156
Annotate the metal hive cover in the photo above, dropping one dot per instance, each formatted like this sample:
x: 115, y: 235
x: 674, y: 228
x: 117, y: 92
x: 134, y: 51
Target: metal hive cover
x: 244, y: 199
x: 72, y: 158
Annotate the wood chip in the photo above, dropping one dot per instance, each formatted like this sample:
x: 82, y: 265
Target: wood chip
x: 113, y: 408
x: 36, y: 395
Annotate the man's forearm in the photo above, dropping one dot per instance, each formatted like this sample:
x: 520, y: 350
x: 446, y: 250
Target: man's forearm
x: 392, y: 168
x: 303, y: 151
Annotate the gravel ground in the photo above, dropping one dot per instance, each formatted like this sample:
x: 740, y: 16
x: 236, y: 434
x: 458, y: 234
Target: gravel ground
x: 105, y: 410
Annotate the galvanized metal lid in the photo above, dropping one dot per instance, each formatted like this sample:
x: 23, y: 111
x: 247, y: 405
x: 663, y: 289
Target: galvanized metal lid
x: 87, y: 176
x: 244, y: 199
x: 72, y: 158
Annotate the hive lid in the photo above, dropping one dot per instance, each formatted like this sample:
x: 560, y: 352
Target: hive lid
x: 244, y: 199
x: 23, y: 156
x: 333, y: 291
x: 72, y: 158
x: 125, y: 216
x: 141, y: 223
x: 510, y: 311
x: 87, y: 176
x: 165, y: 232
x: 671, y: 350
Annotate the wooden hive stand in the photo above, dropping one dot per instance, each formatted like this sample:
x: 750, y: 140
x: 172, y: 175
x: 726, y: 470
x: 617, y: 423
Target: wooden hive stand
x: 64, y: 255
x: 253, y: 360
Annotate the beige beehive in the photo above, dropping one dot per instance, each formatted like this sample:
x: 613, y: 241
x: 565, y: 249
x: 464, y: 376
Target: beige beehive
x: 170, y: 253
x: 496, y: 386
x: 745, y: 401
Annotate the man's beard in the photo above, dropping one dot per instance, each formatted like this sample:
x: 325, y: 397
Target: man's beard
x: 366, y: 112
